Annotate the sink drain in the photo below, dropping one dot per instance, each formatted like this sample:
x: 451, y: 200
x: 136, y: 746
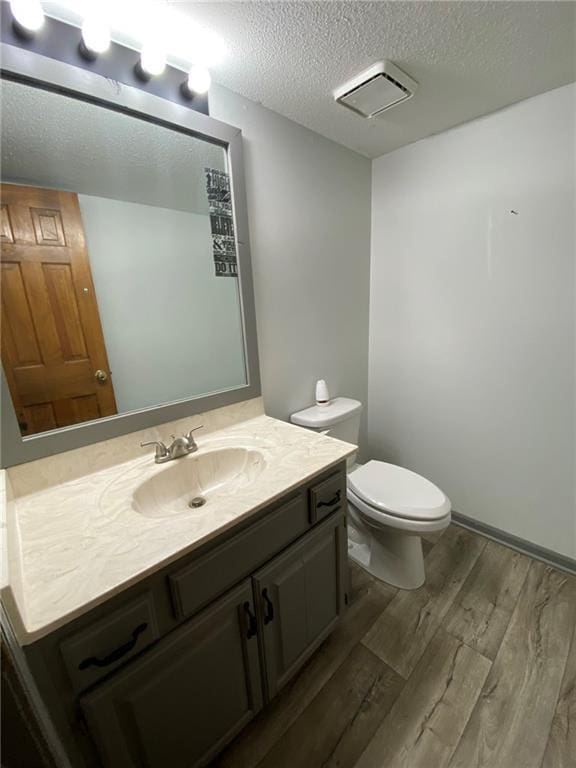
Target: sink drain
x: 197, y: 501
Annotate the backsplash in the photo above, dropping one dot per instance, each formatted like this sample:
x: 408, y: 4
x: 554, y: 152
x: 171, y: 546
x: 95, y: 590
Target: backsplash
x: 38, y: 475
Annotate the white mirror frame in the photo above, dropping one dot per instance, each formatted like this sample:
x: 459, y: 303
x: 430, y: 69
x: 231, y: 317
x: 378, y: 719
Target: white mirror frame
x: 27, y: 67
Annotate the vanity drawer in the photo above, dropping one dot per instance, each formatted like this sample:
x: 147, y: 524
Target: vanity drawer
x: 195, y: 586
x: 327, y: 497
x: 107, y: 644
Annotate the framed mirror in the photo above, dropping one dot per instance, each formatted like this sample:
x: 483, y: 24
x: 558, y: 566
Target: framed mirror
x: 126, y: 285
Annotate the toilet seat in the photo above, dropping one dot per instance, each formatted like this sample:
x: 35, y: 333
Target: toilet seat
x: 385, y: 491
x: 376, y: 518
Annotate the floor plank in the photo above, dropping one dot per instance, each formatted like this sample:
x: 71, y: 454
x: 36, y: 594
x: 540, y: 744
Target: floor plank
x: 368, y: 599
x: 401, y: 634
x: 561, y: 748
x: 481, y: 611
x: 336, y: 726
x: 424, y: 726
x: 511, y: 721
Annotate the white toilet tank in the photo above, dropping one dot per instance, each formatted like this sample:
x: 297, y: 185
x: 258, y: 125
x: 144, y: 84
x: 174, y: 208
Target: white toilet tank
x: 339, y: 419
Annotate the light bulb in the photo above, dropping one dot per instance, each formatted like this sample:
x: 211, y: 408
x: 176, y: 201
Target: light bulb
x: 96, y: 34
x: 28, y: 14
x: 153, y: 59
x: 199, y: 79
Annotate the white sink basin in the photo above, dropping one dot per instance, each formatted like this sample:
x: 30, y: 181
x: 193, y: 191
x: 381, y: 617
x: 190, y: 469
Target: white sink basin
x: 197, y: 478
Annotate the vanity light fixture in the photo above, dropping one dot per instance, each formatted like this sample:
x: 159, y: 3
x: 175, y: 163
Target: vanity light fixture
x: 160, y: 34
x: 28, y: 17
x: 95, y: 37
x: 152, y: 61
x: 198, y: 81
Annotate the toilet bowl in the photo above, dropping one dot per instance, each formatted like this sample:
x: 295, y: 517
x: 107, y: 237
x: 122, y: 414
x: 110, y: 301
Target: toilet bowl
x: 389, y: 507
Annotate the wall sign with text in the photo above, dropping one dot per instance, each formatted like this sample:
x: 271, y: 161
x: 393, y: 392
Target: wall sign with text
x: 221, y: 222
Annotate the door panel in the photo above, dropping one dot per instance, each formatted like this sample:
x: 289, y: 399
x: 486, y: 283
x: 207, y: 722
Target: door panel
x: 300, y: 596
x: 17, y: 323
x: 40, y: 417
x: 52, y: 341
x: 181, y: 702
x: 62, y: 302
x: 6, y: 235
x: 48, y: 226
x: 74, y: 410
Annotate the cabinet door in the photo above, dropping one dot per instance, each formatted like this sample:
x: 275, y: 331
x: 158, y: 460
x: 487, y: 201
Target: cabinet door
x: 182, y: 701
x: 300, y: 597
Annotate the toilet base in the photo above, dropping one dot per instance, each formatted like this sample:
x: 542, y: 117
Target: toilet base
x: 394, y: 557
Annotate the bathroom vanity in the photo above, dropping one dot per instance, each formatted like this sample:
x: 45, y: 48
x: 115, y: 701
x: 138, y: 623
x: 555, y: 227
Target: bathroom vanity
x: 169, y: 628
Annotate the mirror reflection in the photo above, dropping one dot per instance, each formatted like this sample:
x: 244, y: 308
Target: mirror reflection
x: 119, y: 279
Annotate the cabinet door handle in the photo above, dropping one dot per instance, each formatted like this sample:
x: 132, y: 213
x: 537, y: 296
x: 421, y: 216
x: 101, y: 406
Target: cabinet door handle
x: 269, y: 607
x: 122, y: 650
x: 333, y: 501
x: 252, y: 624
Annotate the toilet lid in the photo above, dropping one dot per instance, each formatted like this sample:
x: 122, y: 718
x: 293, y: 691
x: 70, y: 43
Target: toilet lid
x: 398, y: 491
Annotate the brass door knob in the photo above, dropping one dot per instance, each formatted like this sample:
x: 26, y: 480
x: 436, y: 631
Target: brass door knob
x: 101, y: 375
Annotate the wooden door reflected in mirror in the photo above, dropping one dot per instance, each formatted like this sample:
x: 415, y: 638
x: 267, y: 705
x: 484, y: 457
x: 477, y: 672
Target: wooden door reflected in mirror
x: 53, y: 348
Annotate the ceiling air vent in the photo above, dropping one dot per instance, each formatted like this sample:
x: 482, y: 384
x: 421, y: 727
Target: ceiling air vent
x: 376, y: 89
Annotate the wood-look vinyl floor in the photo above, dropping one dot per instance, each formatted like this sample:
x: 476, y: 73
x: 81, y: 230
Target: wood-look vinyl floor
x: 476, y: 669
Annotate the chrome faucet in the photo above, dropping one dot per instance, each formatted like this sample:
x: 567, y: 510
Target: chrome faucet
x: 180, y: 446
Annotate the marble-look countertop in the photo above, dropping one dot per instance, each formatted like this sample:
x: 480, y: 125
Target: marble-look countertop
x: 84, y: 539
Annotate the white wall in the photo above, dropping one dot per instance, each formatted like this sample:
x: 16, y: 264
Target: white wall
x: 472, y: 320
x: 172, y: 328
x: 309, y: 213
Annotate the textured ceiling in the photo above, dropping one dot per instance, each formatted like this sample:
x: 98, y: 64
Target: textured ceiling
x: 58, y: 142
x: 470, y: 58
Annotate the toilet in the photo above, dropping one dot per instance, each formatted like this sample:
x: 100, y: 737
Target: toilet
x: 389, y: 507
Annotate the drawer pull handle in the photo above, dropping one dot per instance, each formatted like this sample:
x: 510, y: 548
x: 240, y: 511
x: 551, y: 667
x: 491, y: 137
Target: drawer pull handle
x: 252, y: 625
x: 122, y: 650
x: 333, y: 501
x: 269, y: 610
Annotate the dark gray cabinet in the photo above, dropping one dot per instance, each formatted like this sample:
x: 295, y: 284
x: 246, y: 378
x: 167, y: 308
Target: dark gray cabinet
x: 181, y: 702
x: 300, y: 597
x: 166, y: 673
x: 196, y: 585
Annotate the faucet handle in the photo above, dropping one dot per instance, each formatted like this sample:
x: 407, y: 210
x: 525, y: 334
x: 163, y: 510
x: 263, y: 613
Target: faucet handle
x: 161, y: 450
x: 190, y: 435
